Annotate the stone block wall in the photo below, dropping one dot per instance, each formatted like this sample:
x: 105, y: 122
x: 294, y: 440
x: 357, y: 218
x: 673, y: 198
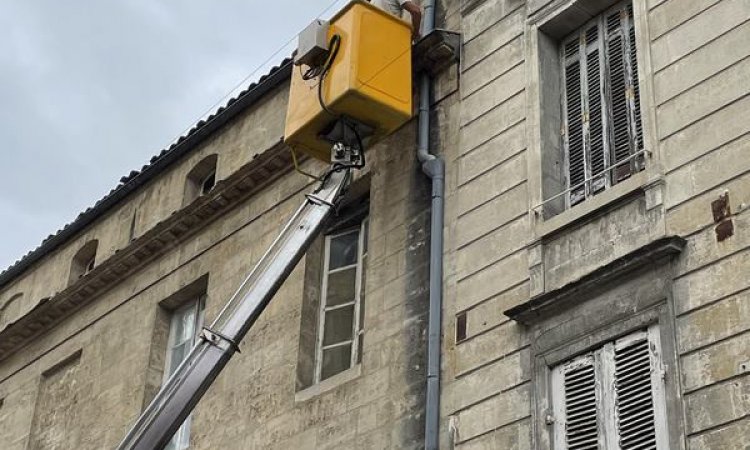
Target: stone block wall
x: 500, y: 253
x: 51, y: 399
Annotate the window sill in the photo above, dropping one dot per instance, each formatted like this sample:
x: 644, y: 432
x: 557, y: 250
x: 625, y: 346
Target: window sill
x: 328, y: 384
x: 544, y: 228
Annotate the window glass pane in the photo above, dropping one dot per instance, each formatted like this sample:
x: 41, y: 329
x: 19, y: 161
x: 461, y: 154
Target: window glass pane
x: 338, y: 325
x: 335, y: 360
x: 343, y: 250
x: 341, y: 287
x: 184, y: 322
x: 178, y: 353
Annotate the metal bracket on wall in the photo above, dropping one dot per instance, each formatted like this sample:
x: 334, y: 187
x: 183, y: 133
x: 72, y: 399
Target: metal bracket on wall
x: 217, y: 339
x: 436, y: 51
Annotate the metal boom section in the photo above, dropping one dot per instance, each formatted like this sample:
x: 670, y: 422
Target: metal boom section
x: 218, y: 342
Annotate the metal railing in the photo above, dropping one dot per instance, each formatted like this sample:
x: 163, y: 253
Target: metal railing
x: 589, y: 179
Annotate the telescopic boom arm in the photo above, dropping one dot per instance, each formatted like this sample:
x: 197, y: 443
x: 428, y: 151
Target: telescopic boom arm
x: 218, y: 342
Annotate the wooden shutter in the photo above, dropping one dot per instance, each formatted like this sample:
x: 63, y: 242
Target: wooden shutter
x: 577, y: 405
x: 618, y: 94
x: 573, y: 136
x: 602, y: 127
x: 634, y: 403
x: 611, y: 398
x: 636, y: 98
x: 624, y: 92
x: 596, y: 142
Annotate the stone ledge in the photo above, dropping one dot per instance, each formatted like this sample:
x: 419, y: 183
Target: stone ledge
x: 529, y: 312
x: 254, y: 176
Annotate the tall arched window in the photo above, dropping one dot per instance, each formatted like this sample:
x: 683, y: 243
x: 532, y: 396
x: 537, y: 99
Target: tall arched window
x: 201, y: 179
x: 84, y: 261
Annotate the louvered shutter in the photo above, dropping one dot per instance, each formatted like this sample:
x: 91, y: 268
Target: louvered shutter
x: 634, y: 403
x: 624, y: 93
x: 612, y: 398
x: 618, y: 95
x: 636, y: 98
x: 602, y: 127
x: 577, y: 405
x: 573, y: 122
x: 596, y: 142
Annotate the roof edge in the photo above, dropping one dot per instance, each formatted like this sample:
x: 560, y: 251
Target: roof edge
x: 130, y: 183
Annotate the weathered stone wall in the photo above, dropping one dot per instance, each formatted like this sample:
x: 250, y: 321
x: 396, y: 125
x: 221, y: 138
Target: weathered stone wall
x: 701, y: 96
x: 485, y: 386
x: 500, y: 252
x: 255, y: 130
x: 89, y: 402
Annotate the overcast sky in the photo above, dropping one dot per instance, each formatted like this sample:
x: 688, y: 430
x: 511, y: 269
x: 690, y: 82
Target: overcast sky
x: 90, y: 89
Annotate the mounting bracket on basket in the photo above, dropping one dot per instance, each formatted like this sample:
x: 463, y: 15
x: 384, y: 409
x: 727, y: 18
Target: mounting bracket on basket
x: 347, y: 136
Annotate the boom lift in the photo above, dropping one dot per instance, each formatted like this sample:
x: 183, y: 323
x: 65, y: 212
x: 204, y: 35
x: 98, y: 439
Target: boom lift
x: 370, y: 92
x: 219, y: 341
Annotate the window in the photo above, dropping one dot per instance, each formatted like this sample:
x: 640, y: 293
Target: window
x: 208, y: 183
x: 185, y: 324
x: 611, y: 398
x: 340, y: 330
x: 83, y: 261
x: 601, y: 118
x: 201, y: 179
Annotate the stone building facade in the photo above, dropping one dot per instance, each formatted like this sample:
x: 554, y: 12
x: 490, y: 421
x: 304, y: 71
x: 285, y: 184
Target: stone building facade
x: 598, y: 174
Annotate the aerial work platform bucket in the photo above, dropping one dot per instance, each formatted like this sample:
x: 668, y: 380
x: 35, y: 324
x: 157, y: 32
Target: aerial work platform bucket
x: 369, y: 81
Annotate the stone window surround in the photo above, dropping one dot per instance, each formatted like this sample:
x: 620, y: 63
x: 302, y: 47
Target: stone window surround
x: 556, y: 19
x: 622, y: 297
x: 83, y: 261
x: 161, y: 331
x: 306, y: 386
x: 70, y: 361
x: 197, y: 180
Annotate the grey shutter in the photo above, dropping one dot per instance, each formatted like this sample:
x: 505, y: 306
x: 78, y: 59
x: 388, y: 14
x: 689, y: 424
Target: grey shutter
x: 634, y: 402
x: 594, y: 112
x: 573, y: 131
x: 581, y: 418
x: 618, y: 95
x: 636, y: 100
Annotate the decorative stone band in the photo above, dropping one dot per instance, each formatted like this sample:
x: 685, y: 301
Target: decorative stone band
x: 254, y: 176
x: 655, y: 252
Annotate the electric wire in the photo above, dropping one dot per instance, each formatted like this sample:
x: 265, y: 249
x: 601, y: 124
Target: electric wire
x: 248, y: 77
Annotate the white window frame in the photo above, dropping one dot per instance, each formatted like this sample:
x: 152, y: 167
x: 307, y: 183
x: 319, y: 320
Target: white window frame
x: 183, y: 433
x: 603, y: 361
x: 358, y: 329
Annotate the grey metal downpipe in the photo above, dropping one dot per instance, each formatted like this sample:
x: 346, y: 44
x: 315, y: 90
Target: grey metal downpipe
x: 433, y: 167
